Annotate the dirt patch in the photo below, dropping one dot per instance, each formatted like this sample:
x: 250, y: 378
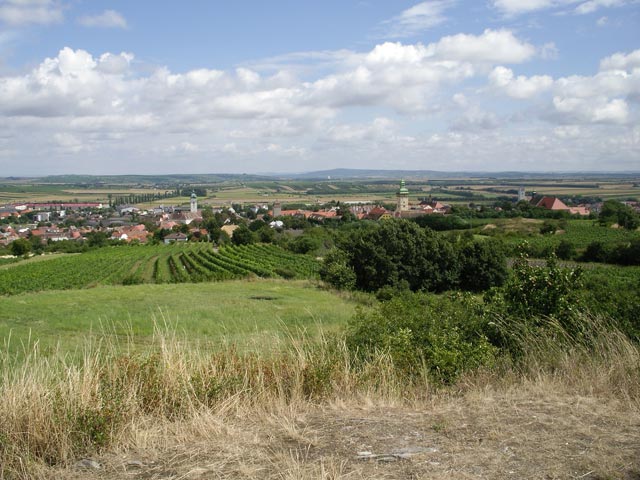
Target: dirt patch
x: 488, y: 435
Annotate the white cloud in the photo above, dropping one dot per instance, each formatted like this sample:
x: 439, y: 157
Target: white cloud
x: 520, y: 86
x: 106, y: 19
x: 402, y: 102
x: 115, y: 64
x: 593, y: 5
x: 517, y: 7
x: 420, y: 17
x: 25, y: 12
x: 69, y: 142
x: 493, y: 46
x: 580, y: 7
x: 599, y: 110
x: 621, y: 61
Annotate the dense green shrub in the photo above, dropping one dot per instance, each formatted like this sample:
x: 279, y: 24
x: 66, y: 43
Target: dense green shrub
x: 483, y: 265
x: 616, y: 212
x: 401, y: 255
x: 536, y: 291
x: 336, y: 271
x: 443, y: 334
x: 614, y: 297
x: 566, y: 250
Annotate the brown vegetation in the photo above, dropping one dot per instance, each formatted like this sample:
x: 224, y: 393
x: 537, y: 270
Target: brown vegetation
x: 571, y: 412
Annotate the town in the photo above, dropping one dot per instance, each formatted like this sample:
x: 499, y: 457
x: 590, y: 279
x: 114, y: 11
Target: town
x: 47, y: 222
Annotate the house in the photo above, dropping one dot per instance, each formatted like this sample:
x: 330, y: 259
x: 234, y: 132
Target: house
x: 131, y: 233
x: 186, y: 217
x: 378, y: 213
x: 229, y: 229
x: 127, y: 209
x: 554, y: 203
x: 549, y: 203
x: 433, y: 206
x: 175, y: 237
x: 321, y: 216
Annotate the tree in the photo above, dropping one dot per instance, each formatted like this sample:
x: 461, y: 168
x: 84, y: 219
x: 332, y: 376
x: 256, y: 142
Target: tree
x: 336, y: 271
x: 565, y: 250
x: 483, y: 265
x: 97, y: 239
x: 243, y: 236
x: 20, y: 247
x: 616, y: 212
x: 398, y: 252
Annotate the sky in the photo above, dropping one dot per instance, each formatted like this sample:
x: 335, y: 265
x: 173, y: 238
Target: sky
x: 213, y: 86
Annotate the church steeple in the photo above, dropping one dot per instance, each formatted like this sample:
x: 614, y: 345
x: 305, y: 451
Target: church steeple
x: 402, y: 198
x: 194, y: 202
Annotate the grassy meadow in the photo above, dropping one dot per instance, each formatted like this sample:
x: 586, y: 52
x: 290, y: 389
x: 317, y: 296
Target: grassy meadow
x: 249, y: 314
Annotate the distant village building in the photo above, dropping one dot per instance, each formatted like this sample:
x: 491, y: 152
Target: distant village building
x: 194, y: 203
x: 175, y: 237
x: 277, y: 209
x: 521, y: 194
x: 229, y: 229
x: 554, y: 203
x: 427, y: 207
x: 402, y: 196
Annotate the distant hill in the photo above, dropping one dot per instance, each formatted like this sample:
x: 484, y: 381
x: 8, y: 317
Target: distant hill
x: 170, y: 179
x: 336, y: 174
x: 350, y: 173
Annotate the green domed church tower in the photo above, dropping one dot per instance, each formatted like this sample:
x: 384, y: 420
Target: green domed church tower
x: 402, y: 198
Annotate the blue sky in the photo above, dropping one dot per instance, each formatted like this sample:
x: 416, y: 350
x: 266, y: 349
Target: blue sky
x: 114, y: 87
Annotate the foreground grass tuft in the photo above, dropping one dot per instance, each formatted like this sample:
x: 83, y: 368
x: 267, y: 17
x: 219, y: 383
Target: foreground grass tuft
x: 54, y: 411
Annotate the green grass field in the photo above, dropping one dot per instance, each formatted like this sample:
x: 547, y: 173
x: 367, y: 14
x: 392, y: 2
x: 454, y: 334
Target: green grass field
x: 251, y: 314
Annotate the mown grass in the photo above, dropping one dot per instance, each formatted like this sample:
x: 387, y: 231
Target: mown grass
x: 238, y: 312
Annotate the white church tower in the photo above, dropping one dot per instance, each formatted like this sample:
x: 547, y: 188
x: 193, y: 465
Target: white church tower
x: 194, y: 203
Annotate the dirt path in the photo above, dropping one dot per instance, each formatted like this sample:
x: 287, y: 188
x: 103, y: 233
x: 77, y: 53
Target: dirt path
x: 514, y: 435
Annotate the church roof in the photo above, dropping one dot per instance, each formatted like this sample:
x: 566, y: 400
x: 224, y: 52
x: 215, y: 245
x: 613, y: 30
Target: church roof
x: 403, y: 189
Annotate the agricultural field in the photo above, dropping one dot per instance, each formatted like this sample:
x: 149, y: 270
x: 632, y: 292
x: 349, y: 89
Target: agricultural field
x: 580, y: 233
x: 155, y: 264
x: 225, y: 190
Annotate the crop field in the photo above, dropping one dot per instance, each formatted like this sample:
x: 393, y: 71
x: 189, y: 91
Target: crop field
x: 579, y: 232
x: 155, y: 264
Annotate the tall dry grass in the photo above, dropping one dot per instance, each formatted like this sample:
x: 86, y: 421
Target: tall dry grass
x: 57, y: 409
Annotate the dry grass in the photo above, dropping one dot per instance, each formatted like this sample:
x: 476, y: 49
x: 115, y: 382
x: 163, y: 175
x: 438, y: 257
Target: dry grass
x: 571, y: 412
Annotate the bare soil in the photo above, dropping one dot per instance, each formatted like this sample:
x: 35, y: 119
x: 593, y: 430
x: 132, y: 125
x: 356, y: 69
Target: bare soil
x: 524, y: 433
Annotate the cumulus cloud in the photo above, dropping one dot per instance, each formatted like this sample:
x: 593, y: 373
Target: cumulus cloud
x: 493, y: 46
x: 609, y: 96
x: 77, y: 102
x: 520, y: 86
x: 420, y: 17
x: 621, y: 61
x: 599, y: 110
x: 25, y: 12
x: 106, y: 19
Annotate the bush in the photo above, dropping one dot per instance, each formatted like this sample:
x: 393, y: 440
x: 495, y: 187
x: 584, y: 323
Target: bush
x: 536, y: 298
x: 442, y: 334
x: 566, y: 250
x: 336, y: 271
x: 483, y: 265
